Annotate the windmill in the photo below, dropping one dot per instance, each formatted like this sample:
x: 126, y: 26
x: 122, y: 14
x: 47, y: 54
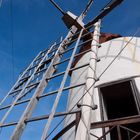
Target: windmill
x: 44, y: 68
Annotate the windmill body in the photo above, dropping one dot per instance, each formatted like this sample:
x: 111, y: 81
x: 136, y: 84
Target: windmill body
x: 112, y: 103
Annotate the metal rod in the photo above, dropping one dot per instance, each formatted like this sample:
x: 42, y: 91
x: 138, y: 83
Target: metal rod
x: 67, y: 59
x: 56, y: 75
x: 128, y: 129
x: 30, y: 85
x: 61, y: 73
x: 18, y: 81
x: 57, y: 44
x: 93, y: 135
x: 18, y: 96
x: 63, y: 61
x: 115, y: 122
x: 39, y: 71
x: 17, y: 103
x: 103, y: 136
x: 77, y: 55
x: 134, y: 138
x: 55, y: 115
x: 54, y: 49
x: 83, y: 130
x: 44, y: 95
x: 26, y: 92
x: 81, y: 44
x: 39, y: 58
x: 32, y: 67
x: 64, y: 89
x: 48, y: 60
x: 119, y: 132
x: 41, y: 64
x: 125, y: 120
x: 73, y: 40
x: 41, y: 87
x: 24, y: 78
x: 75, y: 68
x: 15, y: 91
x: 9, y: 124
x: 64, y: 130
x: 44, y: 135
x: 69, y: 49
x: 76, y: 34
x: 59, y: 114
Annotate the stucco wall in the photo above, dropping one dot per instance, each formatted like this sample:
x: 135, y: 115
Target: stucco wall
x: 126, y: 65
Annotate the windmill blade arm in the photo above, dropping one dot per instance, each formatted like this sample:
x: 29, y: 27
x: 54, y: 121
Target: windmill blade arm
x: 84, y: 13
x: 108, y: 4
x: 108, y: 8
x: 57, y: 6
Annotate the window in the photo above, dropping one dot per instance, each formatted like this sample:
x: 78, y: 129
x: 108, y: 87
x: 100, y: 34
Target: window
x: 117, y: 101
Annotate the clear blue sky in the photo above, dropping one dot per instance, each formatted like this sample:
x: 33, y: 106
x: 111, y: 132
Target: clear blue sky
x: 36, y: 24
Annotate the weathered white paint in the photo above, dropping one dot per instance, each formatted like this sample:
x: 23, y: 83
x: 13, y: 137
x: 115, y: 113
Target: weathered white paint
x: 126, y: 65
x: 83, y: 128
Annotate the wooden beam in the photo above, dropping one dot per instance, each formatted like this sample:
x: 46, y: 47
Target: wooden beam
x: 115, y: 122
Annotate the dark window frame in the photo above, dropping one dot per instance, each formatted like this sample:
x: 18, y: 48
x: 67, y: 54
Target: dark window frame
x: 135, y: 92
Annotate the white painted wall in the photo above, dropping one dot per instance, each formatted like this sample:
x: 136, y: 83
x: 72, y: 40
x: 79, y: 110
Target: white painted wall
x: 126, y: 65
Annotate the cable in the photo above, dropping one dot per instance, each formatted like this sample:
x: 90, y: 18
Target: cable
x: 119, y: 52
x: 1, y: 3
x: 11, y: 34
x: 94, y: 82
x: 12, y: 40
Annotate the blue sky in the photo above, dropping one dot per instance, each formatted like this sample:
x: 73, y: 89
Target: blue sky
x: 36, y: 24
